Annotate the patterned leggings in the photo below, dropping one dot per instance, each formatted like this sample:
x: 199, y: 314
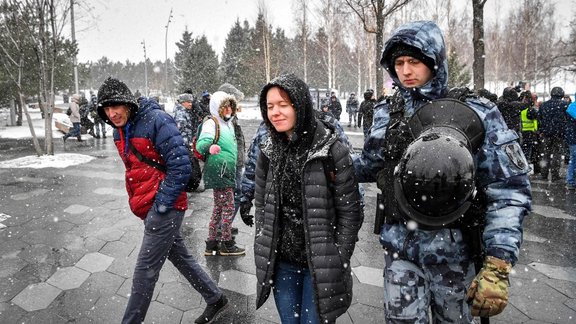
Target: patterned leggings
x: 222, y: 214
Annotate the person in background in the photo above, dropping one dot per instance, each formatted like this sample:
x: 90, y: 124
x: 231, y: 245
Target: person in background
x: 566, y: 152
x: 428, y: 222
x: 308, y: 210
x: 186, y: 119
x: 85, y: 122
x: 99, y: 124
x: 205, y: 102
x: 241, y: 149
x: 366, y: 112
x: 352, y: 109
x: 570, y: 138
x: 552, y: 126
x: 220, y: 172
x: 529, y: 129
x: 74, y: 118
x: 325, y: 112
x: 510, y: 108
x: 335, y: 106
x: 157, y: 197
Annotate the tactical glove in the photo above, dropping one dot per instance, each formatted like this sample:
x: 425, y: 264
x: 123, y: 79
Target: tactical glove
x: 245, y: 213
x: 488, y: 293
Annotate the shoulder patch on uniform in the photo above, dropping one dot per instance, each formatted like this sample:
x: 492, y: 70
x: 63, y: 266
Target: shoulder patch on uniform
x: 515, y: 155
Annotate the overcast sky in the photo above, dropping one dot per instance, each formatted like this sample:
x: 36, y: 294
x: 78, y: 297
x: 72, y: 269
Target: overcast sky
x: 116, y: 28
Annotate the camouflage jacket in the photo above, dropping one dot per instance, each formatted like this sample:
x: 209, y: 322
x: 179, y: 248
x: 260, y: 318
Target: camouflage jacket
x: 187, y: 122
x: 501, y: 174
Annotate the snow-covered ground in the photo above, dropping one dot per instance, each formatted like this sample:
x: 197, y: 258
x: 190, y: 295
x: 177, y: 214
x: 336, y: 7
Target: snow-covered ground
x: 250, y: 110
x: 63, y: 160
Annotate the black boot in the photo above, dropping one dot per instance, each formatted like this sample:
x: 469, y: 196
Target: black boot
x: 229, y: 248
x: 211, y: 248
x: 212, y: 311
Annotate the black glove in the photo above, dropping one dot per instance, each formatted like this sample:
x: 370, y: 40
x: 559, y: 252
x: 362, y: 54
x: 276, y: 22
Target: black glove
x: 245, y: 207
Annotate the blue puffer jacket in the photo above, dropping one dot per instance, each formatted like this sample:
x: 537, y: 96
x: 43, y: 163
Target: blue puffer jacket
x: 570, y: 135
x: 500, y: 176
x: 154, y: 134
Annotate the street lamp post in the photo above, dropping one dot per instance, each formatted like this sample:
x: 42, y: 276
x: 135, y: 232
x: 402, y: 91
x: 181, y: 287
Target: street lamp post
x: 145, y: 69
x: 166, y: 53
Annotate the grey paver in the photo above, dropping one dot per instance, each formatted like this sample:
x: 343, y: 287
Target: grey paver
x: 111, y: 191
x: 11, y: 266
x: 76, y: 209
x: 161, y: 313
x: 240, y: 282
x: 179, y: 296
x: 108, y: 234
x: 68, y: 278
x: 36, y: 296
x: 368, y: 275
x: 95, y: 262
x: 551, y: 212
x: 108, y: 309
x: 117, y: 249
x: 551, y: 312
x: 555, y: 272
x: 28, y: 195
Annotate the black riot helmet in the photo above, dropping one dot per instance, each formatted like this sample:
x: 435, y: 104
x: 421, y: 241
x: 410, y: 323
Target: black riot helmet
x: 434, y: 182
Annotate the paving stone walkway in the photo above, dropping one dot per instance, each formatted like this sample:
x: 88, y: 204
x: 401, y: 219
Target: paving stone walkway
x: 68, y: 244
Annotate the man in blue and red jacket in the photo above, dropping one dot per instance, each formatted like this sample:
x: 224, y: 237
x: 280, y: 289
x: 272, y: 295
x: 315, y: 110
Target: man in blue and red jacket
x: 144, y: 131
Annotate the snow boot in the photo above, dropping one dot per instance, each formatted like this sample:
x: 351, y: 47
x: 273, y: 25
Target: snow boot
x: 211, y: 248
x: 229, y: 248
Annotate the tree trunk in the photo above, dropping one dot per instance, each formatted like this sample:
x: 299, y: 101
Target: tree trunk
x: 37, y: 146
x: 379, y: 47
x: 478, y: 42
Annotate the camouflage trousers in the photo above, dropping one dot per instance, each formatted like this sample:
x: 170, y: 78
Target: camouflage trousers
x: 416, y: 293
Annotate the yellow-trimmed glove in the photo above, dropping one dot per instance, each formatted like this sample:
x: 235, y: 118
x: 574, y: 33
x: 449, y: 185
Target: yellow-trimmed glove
x: 488, y: 293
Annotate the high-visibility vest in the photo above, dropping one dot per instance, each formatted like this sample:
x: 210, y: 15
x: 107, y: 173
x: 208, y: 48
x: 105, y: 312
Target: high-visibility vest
x: 528, y: 125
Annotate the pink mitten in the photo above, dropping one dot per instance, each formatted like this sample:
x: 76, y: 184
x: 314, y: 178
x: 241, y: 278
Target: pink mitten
x: 214, y: 149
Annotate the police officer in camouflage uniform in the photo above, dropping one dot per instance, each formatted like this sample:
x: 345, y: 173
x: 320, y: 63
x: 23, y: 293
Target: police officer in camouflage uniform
x: 186, y: 118
x: 429, y: 268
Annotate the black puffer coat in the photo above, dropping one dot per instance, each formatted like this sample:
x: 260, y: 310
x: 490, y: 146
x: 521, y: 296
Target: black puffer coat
x: 331, y: 209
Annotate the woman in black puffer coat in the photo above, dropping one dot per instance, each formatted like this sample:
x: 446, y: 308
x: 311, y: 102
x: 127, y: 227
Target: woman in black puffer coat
x: 308, y: 210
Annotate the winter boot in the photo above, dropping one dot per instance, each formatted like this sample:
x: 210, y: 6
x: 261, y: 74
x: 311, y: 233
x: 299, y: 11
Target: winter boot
x: 229, y: 248
x: 212, y: 311
x: 211, y: 248
x: 79, y: 138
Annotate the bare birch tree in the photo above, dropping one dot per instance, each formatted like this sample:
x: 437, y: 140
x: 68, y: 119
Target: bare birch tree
x: 303, y: 25
x: 372, y: 14
x: 478, y: 42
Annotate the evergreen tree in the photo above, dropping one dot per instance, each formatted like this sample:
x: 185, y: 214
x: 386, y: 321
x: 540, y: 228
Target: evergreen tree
x: 182, y: 61
x: 458, y: 75
x: 196, y: 64
x: 233, y: 68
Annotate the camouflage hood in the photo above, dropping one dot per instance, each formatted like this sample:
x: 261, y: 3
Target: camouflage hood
x: 427, y: 37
